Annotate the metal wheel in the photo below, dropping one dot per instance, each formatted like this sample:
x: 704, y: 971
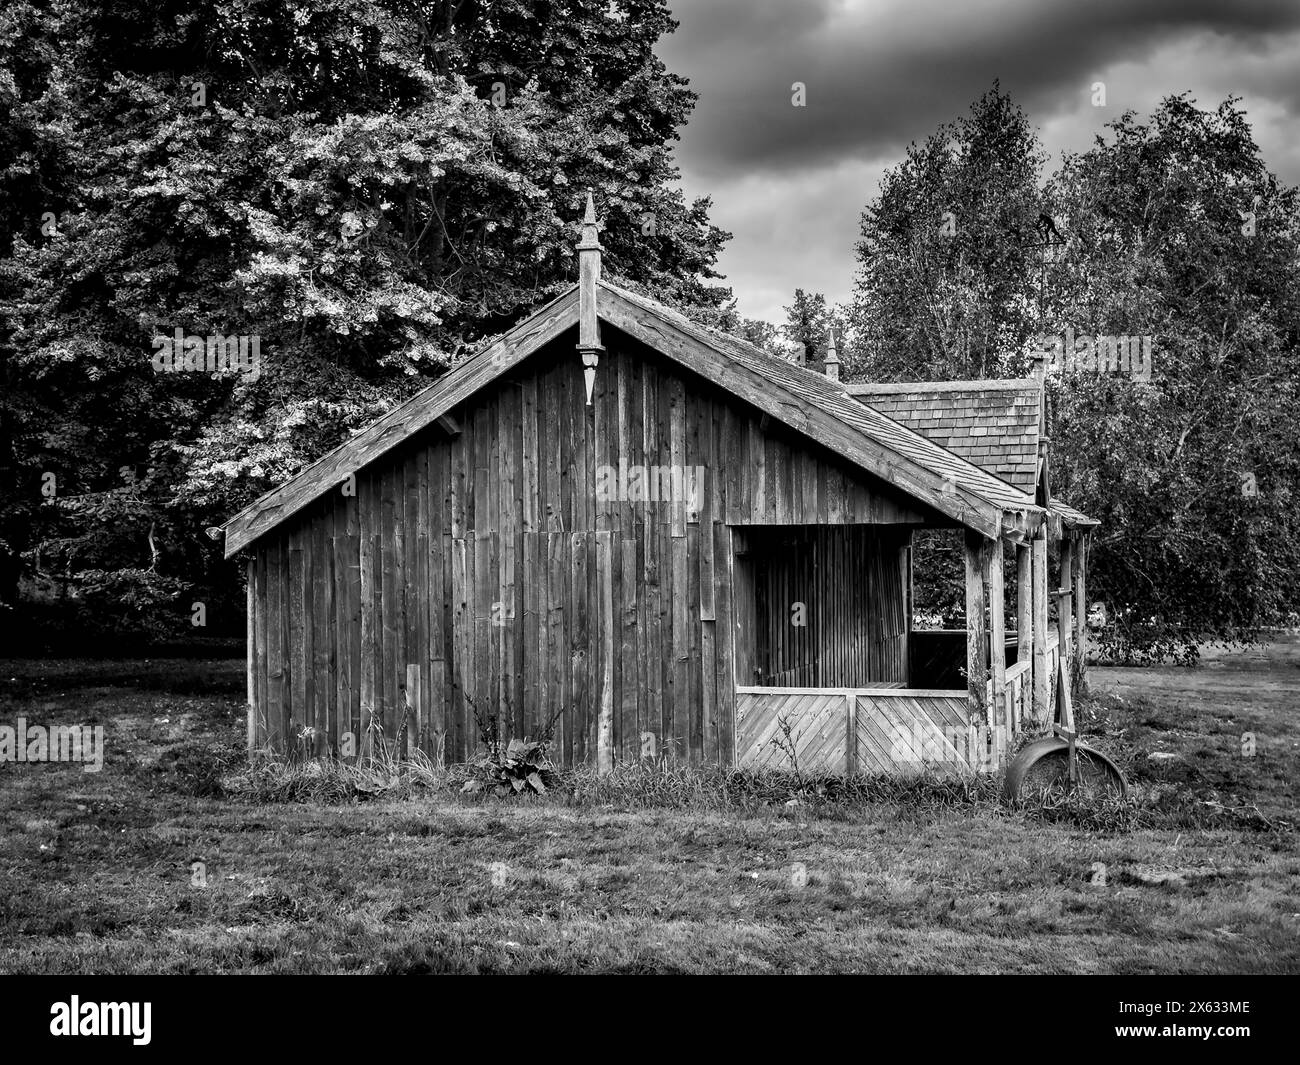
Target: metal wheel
x: 1044, y: 765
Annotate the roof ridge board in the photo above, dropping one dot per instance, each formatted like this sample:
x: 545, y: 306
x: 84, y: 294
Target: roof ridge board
x: 378, y: 429
x: 748, y: 347
x: 992, y: 384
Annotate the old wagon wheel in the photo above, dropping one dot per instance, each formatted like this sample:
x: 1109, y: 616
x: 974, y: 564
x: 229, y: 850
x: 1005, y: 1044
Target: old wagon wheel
x: 1045, y: 764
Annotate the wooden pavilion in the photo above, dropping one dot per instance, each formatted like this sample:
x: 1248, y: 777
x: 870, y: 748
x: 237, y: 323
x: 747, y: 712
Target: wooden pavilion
x: 655, y: 538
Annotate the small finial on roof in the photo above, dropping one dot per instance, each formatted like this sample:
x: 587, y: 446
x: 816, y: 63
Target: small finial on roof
x: 832, y: 359
x: 590, y: 227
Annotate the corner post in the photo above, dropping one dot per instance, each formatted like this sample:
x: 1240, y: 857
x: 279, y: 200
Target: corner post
x: 977, y: 644
x: 1041, y: 693
x: 1024, y: 626
x: 1081, y: 615
x: 250, y: 597
x: 1000, y: 713
x: 1065, y: 605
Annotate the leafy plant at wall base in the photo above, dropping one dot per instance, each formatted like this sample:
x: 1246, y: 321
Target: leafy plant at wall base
x: 523, y: 766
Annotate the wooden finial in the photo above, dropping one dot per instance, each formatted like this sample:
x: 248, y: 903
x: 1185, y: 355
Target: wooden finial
x: 832, y: 359
x: 590, y: 226
x: 589, y: 250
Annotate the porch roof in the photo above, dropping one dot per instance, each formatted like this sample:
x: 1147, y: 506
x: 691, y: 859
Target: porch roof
x: 1069, y: 517
x: 993, y: 424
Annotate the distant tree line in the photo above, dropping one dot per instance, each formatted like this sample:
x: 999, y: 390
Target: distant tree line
x: 372, y: 190
x: 1173, y: 228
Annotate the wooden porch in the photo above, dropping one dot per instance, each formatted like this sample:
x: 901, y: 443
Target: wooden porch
x: 888, y: 728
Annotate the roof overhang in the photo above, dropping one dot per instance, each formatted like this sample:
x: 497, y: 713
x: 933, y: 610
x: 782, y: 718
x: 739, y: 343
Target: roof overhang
x: 427, y: 406
x: 811, y: 411
x: 806, y: 402
x: 1062, y: 518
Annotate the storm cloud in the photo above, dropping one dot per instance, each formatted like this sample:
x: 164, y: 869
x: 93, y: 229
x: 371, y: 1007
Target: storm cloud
x: 790, y: 182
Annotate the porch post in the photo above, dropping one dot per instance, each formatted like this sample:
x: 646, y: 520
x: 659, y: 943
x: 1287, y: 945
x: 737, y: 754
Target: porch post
x: 250, y: 593
x: 1080, y: 677
x: 1041, y: 691
x: 977, y: 640
x: 998, y: 652
x: 1065, y: 608
x: 1025, y: 621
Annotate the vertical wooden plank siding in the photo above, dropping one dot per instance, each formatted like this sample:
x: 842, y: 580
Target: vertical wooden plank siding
x: 274, y: 705
x: 475, y: 567
x: 831, y: 605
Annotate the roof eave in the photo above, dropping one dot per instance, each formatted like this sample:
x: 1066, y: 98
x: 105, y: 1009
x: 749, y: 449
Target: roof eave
x: 957, y: 502
x: 421, y: 410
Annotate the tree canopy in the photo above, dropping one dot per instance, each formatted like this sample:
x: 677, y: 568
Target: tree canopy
x: 1173, y: 229
x: 370, y: 190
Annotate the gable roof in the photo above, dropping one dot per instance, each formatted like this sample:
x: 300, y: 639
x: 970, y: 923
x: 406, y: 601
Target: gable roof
x: 403, y: 421
x: 807, y: 402
x: 993, y: 424
x: 821, y: 409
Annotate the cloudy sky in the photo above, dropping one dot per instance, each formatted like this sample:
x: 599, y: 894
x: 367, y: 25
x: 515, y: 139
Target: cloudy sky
x: 790, y: 182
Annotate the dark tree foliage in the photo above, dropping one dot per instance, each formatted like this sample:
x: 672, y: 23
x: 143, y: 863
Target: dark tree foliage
x: 1176, y: 229
x: 1172, y: 228
x: 369, y: 189
x: 948, y: 255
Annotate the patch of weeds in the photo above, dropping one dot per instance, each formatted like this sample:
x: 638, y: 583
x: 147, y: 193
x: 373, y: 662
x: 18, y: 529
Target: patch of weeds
x: 426, y: 959
x: 274, y: 904
x: 521, y: 766
x: 517, y: 767
x: 1178, y: 806
x: 1089, y: 809
x: 667, y: 784
x: 330, y: 781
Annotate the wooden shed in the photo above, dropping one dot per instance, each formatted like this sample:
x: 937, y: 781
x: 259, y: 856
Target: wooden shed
x: 656, y: 539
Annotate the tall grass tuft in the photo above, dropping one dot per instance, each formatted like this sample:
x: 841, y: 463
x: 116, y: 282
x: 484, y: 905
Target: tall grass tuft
x: 666, y: 784
x: 329, y: 781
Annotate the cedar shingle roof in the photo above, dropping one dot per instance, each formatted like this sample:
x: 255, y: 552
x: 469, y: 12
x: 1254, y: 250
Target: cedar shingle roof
x: 993, y: 424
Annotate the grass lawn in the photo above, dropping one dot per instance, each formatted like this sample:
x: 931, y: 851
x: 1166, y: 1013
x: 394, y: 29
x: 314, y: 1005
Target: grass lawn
x: 98, y: 874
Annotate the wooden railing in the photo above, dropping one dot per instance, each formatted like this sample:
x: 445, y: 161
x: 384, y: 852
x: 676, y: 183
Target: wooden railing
x: 1018, y: 697
x: 1017, y: 709
x: 884, y: 729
